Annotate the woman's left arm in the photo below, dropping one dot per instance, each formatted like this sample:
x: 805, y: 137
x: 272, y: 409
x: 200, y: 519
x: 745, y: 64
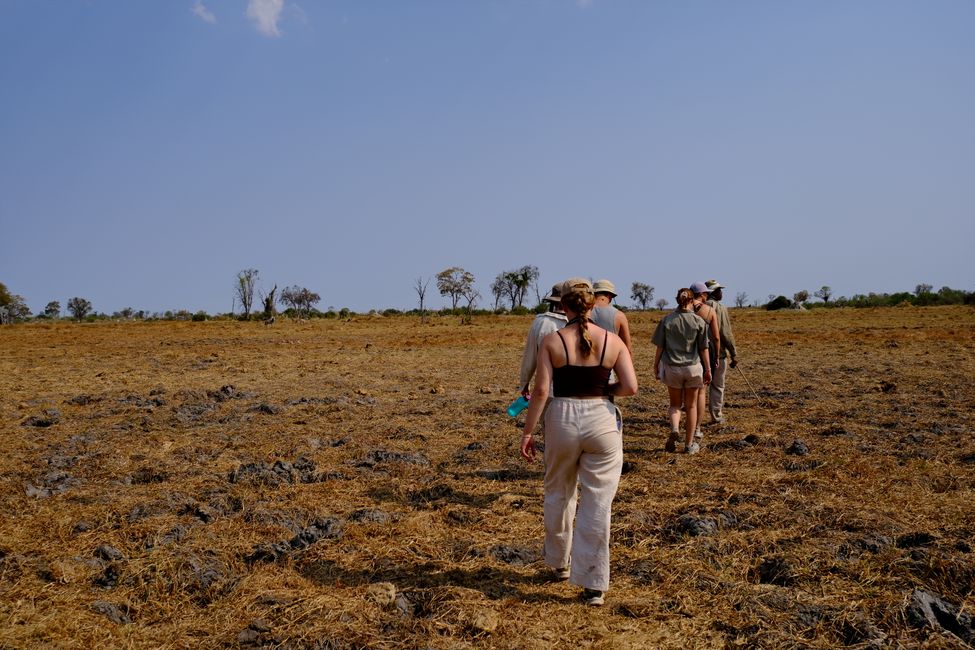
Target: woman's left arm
x: 626, y: 374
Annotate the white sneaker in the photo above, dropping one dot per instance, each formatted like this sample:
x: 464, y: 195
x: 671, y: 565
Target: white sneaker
x: 692, y: 448
x: 593, y: 598
x: 698, y: 435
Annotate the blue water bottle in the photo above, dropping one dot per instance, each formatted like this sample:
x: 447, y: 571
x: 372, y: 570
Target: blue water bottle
x: 518, y: 406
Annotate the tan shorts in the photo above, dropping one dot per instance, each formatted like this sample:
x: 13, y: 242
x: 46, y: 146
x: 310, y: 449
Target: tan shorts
x: 683, y: 376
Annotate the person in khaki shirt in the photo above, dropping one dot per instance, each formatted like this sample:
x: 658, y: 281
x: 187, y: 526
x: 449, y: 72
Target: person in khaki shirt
x: 683, y: 365
x: 543, y: 325
x: 727, y: 349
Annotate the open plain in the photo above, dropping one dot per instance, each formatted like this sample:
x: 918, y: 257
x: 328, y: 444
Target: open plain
x: 356, y: 484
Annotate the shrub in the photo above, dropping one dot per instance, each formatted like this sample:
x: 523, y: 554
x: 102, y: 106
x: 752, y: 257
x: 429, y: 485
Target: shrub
x: 779, y: 303
x: 200, y: 316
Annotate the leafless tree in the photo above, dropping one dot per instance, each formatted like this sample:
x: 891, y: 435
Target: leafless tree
x: 825, y: 293
x: 244, y: 290
x: 269, y: 301
x: 471, y: 295
x: 642, y: 293
x: 662, y: 303
x: 420, y: 286
x: 741, y: 299
x: 922, y: 288
x: 454, y: 282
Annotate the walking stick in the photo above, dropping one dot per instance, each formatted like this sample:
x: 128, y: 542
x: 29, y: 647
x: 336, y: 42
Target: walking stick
x: 760, y: 401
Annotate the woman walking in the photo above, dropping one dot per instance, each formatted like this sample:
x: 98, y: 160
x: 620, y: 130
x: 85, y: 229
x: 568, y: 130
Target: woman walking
x: 582, y: 443
x: 682, y: 363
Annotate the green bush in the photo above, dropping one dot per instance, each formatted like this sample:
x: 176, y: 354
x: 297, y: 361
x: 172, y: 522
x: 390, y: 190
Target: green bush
x: 779, y: 303
x: 200, y: 316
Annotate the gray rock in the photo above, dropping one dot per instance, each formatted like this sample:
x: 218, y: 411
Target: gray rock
x: 110, y: 553
x: 926, y: 610
x: 111, y: 611
x: 797, y: 448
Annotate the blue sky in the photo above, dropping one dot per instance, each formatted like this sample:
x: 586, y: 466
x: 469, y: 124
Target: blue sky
x: 151, y: 150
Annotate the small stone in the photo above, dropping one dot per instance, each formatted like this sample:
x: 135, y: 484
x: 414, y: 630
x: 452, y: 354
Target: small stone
x: 486, y: 621
x: 797, y: 448
x: 438, y: 390
x: 82, y: 527
x: 485, y: 390
x: 248, y: 637
x: 109, y: 553
x: 381, y: 593
x: 260, y: 625
x: 111, y: 611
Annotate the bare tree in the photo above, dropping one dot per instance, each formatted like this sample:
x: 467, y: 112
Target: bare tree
x: 420, y: 286
x: 269, y: 301
x: 741, y: 299
x: 471, y: 295
x: 642, y: 293
x: 79, y: 307
x: 825, y: 293
x: 244, y: 290
x: 300, y: 299
x: 800, y: 297
x: 662, y: 303
x: 454, y: 282
x: 922, y: 288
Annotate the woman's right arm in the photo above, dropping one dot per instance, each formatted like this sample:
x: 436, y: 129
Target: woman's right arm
x: 543, y: 380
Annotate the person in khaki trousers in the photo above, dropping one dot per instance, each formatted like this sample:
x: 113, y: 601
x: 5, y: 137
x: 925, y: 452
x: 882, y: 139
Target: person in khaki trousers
x: 716, y: 389
x: 582, y: 444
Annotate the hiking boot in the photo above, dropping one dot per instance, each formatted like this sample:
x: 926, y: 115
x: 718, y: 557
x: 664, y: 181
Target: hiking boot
x: 692, y: 448
x: 593, y: 597
x: 671, y: 445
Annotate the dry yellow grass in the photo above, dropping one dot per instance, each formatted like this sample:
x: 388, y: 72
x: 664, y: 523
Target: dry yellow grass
x: 147, y: 513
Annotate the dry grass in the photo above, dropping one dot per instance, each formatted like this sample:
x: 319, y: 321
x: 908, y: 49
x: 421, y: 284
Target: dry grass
x: 152, y: 457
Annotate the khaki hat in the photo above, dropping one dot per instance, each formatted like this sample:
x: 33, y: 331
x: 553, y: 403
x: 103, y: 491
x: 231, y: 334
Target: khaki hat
x: 575, y: 284
x: 714, y: 284
x: 556, y: 294
x: 604, y: 286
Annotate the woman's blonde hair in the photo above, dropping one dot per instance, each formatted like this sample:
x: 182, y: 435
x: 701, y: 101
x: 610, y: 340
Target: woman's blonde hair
x: 578, y: 296
x: 684, y: 296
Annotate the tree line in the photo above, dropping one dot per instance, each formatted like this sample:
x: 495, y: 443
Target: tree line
x: 516, y: 291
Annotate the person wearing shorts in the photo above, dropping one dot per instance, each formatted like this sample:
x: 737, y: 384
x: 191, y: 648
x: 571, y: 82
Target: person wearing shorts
x: 582, y: 444
x: 683, y: 365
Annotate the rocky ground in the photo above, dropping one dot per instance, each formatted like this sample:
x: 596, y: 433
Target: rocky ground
x: 356, y: 484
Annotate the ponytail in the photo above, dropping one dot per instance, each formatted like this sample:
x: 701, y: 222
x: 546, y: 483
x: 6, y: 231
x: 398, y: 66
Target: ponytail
x: 580, y: 299
x: 684, y: 297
